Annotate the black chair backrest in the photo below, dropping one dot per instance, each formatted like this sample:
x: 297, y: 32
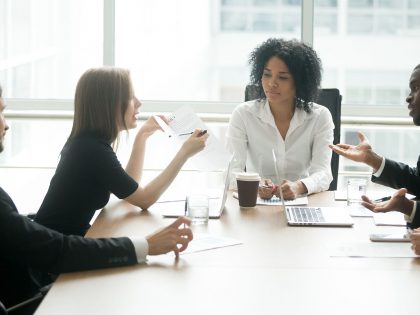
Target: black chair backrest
x: 331, y: 99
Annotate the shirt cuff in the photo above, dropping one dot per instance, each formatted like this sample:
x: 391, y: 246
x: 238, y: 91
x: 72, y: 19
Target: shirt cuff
x: 141, y: 248
x: 410, y: 218
x: 381, y: 168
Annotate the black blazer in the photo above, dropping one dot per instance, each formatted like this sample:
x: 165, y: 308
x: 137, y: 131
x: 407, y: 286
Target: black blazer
x: 399, y: 175
x: 32, y: 255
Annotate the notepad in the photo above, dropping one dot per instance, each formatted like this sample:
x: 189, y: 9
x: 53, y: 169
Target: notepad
x: 389, y: 218
x: 275, y: 201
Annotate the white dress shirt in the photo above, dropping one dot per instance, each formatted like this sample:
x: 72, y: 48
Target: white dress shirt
x: 303, y: 155
x: 141, y: 247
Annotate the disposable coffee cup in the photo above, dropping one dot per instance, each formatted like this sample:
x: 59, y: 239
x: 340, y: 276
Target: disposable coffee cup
x: 247, y: 189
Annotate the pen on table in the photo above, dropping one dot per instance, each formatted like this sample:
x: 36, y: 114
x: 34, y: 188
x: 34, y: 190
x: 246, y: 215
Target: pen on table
x: 382, y: 199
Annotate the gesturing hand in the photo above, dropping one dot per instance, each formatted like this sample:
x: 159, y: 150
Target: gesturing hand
x: 398, y: 202
x: 171, y: 238
x: 356, y: 153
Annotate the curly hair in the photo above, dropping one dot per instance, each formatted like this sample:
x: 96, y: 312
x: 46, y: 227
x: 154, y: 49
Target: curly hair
x: 302, y: 61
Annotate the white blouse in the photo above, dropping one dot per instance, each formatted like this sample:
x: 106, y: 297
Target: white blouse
x: 304, y: 154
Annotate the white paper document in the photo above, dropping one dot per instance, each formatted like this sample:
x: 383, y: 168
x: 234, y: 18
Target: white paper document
x: 389, y: 218
x: 372, y: 194
x: 359, y: 211
x: 373, y: 250
x: 275, y: 201
x: 202, y: 242
x: 184, y: 121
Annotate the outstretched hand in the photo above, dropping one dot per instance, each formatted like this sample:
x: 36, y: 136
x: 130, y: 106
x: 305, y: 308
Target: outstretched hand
x: 398, y: 202
x: 171, y: 238
x: 358, y: 153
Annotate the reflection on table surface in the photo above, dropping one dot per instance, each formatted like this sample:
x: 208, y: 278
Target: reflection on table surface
x: 277, y: 269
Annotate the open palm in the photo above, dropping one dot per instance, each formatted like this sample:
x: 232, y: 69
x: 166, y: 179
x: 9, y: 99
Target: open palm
x: 356, y: 153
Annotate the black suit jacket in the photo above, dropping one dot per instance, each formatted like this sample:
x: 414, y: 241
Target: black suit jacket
x: 31, y: 254
x: 399, y: 175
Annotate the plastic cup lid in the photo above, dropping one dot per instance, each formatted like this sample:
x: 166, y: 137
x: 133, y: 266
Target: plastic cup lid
x: 248, y: 176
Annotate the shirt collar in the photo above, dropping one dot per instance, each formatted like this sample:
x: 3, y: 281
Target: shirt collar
x: 263, y: 112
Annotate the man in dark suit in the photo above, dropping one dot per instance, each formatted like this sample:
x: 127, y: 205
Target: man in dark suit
x: 390, y: 173
x: 32, y: 255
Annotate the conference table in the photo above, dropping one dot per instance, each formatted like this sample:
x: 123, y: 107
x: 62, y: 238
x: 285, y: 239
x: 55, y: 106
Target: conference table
x: 277, y: 269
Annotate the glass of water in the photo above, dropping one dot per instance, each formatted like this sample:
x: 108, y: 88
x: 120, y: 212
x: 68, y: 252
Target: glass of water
x: 198, y: 209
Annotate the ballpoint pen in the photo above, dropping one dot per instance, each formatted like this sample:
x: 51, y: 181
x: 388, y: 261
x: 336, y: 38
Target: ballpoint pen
x: 190, y: 133
x: 382, y: 199
x: 185, y: 208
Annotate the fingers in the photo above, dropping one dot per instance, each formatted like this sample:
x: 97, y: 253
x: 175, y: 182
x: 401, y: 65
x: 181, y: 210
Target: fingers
x: 196, y: 132
x: 164, y: 118
x: 366, y: 199
x: 340, y: 146
x: 361, y: 136
x: 415, y: 241
x: 176, y: 252
x: 400, y: 193
x: 369, y: 206
x: 184, y: 244
x: 181, y: 220
x: 185, y: 234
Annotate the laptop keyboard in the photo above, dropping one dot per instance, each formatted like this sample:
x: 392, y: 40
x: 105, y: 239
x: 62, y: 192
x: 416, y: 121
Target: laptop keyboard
x: 307, y: 214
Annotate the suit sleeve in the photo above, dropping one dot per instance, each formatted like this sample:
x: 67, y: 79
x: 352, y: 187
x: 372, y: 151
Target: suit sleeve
x: 399, y: 175
x: 46, y: 250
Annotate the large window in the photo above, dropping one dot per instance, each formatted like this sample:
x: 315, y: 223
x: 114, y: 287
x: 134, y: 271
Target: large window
x: 189, y: 50
x: 47, y: 44
x: 197, y: 50
x: 368, y: 49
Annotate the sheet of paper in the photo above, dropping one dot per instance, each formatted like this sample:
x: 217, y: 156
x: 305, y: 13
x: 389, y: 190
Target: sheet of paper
x: 372, y: 250
x: 373, y: 194
x: 166, y: 129
x: 360, y: 211
x: 275, y: 201
x: 389, y: 218
x: 202, y: 242
x: 214, y: 156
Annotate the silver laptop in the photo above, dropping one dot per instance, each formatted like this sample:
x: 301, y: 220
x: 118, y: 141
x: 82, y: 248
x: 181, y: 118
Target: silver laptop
x: 216, y: 204
x: 313, y: 216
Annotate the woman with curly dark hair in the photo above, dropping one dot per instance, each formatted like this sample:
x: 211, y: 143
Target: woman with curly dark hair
x: 284, y: 118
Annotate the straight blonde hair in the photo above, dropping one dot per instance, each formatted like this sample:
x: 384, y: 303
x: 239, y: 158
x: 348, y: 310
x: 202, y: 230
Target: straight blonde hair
x: 101, y: 100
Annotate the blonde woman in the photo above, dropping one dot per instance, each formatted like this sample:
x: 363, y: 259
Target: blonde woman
x: 88, y: 170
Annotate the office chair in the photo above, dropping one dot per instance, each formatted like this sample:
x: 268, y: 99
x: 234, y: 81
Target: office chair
x: 28, y: 306
x: 331, y: 99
